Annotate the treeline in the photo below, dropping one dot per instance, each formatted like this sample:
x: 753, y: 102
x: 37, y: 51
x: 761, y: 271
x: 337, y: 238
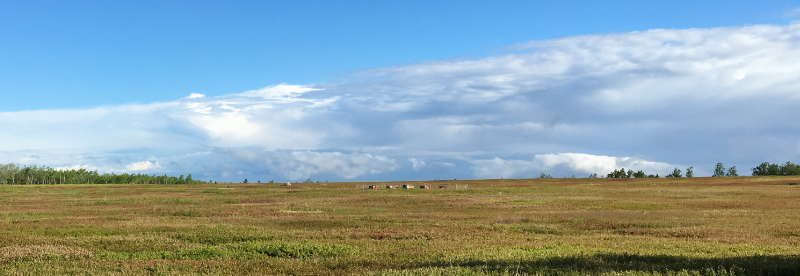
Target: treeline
x: 13, y: 174
x: 640, y: 174
x: 629, y: 174
x: 767, y: 168
x: 764, y: 169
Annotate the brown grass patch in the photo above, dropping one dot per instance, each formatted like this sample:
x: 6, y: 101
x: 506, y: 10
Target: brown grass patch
x: 39, y: 251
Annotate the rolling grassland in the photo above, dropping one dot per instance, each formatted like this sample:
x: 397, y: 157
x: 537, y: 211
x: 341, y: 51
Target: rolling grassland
x: 673, y: 226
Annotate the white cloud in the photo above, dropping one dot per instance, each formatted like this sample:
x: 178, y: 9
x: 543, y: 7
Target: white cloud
x: 499, y: 168
x: 589, y: 164
x: 195, y: 96
x: 692, y: 96
x: 142, y: 166
x: 77, y: 168
x: 302, y: 164
x: 281, y: 91
x: 574, y: 162
x: 416, y: 163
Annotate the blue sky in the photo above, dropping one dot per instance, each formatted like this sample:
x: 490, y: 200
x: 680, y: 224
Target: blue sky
x: 374, y: 90
x: 67, y: 54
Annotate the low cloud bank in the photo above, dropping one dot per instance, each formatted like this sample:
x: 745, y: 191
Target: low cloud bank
x: 579, y: 163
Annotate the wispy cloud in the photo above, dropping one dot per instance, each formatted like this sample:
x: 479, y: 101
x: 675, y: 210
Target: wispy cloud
x: 792, y: 13
x: 575, y: 105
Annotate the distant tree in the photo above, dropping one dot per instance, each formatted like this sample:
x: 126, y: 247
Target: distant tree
x: 732, y: 171
x: 690, y: 172
x: 639, y: 174
x: 675, y: 173
x: 762, y: 169
x: 543, y: 176
x: 245, y: 181
x: 594, y: 175
x: 308, y: 181
x: 618, y: 174
x: 272, y: 181
x: 719, y: 170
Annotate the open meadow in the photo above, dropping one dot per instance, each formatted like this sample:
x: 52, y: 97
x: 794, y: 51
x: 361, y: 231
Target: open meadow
x: 666, y: 226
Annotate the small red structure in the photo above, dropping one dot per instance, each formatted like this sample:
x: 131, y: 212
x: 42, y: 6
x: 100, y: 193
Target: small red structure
x: 425, y: 186
x: 373, y: 187
x: 443, y: 187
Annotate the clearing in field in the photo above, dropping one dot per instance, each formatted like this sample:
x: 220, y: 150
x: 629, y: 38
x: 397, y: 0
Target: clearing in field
x: 694, y: 226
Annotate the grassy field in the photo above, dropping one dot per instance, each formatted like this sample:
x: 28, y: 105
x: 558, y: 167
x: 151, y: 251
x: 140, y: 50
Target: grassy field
x: 697, y: 226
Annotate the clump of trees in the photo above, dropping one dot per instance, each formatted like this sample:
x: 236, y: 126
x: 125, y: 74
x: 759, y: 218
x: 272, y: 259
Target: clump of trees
x: 13, y: 174
x: 719, y: 171
x: 675, y: 173
x: 621, y: 173
x: 767, y: 168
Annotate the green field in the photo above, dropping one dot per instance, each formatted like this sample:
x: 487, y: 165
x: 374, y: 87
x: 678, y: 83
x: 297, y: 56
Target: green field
x: 674, y: 226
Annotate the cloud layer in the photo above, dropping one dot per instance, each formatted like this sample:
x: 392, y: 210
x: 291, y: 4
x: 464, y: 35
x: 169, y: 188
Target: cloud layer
x: 649, y: 100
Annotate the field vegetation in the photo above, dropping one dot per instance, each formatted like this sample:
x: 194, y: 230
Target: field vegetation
x: 551, y: 226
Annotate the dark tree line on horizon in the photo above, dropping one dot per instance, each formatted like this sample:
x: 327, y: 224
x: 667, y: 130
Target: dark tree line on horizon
x: 765, y: 169
x: 13, y: 174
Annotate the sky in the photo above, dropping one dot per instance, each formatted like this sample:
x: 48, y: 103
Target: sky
x: 405, y: 90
